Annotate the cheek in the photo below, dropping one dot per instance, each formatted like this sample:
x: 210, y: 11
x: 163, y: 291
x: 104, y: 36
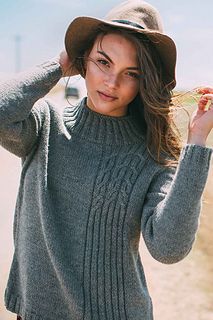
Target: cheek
x: 88, y: 79
x: 91, y: 77
x: 136, y: 88
x: 132, y: 90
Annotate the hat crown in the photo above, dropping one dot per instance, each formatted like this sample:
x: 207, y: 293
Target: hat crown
x: 139, y: 12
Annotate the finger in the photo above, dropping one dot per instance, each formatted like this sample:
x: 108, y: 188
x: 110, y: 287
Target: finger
x: 204, y: 100
x: 204, y: 90
x: 207, y: 96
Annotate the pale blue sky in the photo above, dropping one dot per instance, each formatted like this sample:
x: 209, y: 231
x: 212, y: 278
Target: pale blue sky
x: 42, y: 25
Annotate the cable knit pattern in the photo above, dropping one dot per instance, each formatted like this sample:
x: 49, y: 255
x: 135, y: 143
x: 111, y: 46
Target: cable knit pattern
x: 88, y: 190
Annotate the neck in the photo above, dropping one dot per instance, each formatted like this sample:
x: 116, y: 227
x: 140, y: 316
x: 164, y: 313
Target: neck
x: 99, y: 128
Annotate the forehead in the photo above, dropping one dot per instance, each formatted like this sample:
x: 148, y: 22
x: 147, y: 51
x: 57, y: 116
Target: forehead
x: 115, y: 43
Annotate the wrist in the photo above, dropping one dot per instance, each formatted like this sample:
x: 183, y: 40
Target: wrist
x: 194, y: 138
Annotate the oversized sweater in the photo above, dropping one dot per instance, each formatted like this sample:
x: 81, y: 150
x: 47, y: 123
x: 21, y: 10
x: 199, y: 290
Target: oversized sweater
x: 88, y: 189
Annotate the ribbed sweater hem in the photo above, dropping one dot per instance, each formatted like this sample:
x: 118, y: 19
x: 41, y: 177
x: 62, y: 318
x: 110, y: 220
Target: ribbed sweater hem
x: 15, y: 304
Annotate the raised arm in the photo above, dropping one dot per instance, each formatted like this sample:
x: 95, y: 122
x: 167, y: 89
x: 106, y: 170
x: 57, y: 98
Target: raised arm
x: 170, y: 215
x: 20, y: 110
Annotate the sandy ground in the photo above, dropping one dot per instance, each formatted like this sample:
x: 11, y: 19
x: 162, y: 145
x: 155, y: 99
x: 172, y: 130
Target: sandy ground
x: 183, y: 291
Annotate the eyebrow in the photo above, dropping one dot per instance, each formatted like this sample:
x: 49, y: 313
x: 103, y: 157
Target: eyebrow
x: 107, y: 57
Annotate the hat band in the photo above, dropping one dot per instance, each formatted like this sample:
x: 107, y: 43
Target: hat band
x: 133, y: 24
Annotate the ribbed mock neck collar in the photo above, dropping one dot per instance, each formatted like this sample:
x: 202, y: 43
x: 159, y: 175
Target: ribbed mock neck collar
x: 93, y: 126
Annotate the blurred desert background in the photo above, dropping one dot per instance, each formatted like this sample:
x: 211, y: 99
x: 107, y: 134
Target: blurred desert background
x: 183, y: 291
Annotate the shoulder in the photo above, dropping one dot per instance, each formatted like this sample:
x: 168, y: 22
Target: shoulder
x: 48, y: 113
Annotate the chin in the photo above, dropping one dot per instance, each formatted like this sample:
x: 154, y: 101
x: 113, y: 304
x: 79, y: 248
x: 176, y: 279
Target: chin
x: 106, y: 108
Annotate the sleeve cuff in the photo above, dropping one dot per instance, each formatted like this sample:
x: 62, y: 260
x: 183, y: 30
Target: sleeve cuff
x: 197, y: 156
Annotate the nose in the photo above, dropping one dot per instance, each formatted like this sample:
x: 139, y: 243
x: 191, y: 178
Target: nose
x: 112, y: 80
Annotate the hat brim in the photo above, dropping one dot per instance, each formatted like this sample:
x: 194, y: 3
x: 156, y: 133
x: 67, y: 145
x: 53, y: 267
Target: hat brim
x: 81, y: 28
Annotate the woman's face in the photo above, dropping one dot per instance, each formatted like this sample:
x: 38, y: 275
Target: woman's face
x: 112, y: 75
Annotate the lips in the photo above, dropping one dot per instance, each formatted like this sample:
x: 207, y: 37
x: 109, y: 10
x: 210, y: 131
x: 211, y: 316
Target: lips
x: 106, y: 97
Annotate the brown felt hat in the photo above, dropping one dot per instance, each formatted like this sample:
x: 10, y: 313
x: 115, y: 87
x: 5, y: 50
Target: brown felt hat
x: 136, y: 15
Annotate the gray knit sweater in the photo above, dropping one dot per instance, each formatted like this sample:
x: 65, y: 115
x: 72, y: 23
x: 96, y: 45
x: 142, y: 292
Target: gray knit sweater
x: 88, y: 189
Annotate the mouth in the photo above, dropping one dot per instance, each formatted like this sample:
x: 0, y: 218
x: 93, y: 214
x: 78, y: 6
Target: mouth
x: 106, y: 97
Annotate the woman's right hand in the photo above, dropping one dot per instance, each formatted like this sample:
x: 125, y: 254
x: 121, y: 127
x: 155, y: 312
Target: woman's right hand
x: 201, y: 122
x: 64, y: 63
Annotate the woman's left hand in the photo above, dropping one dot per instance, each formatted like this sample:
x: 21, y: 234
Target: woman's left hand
x: 64, y: 62
x: 201, y: 122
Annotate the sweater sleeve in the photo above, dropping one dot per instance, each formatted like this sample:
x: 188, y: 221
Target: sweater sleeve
x: 21, y: 106
x: 170, y: 216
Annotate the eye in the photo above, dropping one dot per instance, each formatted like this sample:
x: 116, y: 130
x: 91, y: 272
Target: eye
x: 133, y: 75
x: 103, y: 62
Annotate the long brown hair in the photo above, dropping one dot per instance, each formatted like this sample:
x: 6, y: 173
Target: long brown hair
x: 153, y: 104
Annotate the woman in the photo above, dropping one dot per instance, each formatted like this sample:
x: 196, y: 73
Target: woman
x: 104, y: 171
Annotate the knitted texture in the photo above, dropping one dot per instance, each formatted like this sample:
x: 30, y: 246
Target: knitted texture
x: 88, y: 189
